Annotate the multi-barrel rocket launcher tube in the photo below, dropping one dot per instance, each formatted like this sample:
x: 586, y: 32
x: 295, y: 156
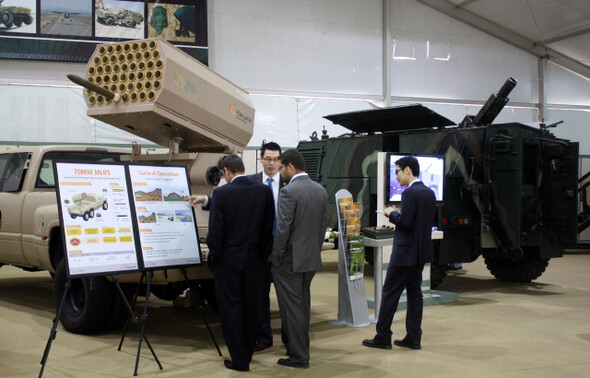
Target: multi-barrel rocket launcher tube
x: 158, y: 92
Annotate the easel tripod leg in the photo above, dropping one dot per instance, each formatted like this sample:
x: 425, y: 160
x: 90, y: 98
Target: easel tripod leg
x: 53, y: 331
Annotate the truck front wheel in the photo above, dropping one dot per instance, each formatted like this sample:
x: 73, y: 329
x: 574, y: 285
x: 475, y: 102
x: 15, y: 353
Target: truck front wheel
x: 87, y: 304
x: 526, y: 269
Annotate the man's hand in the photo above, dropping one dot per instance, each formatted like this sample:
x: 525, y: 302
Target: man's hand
x: 196, y: 199
x: 389, y: 210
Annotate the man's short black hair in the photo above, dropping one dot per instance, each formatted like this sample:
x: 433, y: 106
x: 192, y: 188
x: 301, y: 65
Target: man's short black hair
x: 294, y: 157
x: 271, y: 146
x: 409, y: 161
x: 233, y: 163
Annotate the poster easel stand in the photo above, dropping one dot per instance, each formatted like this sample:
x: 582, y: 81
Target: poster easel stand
x: 201, y: 307
x: 141, y: 321
x: 54, y: 327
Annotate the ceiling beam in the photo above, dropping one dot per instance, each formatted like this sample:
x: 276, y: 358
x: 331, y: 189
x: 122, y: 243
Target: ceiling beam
x: 559, y: 38
x: 507, y: 36
x: 465, y: 2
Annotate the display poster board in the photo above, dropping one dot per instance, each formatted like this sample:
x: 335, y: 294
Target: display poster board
x: 96, y: 218
x: 167, y: 229
x: 122, y: 218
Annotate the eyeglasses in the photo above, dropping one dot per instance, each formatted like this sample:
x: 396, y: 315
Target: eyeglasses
x: 269, y: 160
x: 397, y: 171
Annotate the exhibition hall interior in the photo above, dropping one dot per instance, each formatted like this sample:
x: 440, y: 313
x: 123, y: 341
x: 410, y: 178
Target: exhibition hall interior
x: 330, y: 188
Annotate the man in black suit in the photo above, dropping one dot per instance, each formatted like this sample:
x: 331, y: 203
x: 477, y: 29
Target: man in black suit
x: 412, y: 248
x: 269, y: 158
x: 240, y: 241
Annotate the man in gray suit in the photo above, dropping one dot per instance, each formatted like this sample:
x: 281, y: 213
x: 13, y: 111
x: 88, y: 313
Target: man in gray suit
x: 299, y: 235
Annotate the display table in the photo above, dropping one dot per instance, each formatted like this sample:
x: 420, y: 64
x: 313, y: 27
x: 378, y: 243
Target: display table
x: 378, y: 244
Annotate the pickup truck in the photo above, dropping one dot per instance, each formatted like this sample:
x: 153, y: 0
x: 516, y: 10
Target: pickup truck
x: 30, y: 238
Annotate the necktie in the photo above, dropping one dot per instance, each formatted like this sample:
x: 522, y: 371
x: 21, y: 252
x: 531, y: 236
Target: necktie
x: 274, y: 220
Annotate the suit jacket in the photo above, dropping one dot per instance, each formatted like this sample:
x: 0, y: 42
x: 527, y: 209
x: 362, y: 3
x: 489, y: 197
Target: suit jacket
x: 412, y: 244
x: 240, y: 223
x: 301, y: 224
x: 257, y: 177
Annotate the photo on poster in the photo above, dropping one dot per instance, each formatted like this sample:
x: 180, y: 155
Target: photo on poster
x: 173, y: 22
x: 119, y: 19
x: 18, y: 16
x: 96, y: 218
x: 64, y: 17
x: 167, y: 227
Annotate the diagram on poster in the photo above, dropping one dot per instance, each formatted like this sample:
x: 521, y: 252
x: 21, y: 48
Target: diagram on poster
x: 167, y: 229
x: 96, y: 218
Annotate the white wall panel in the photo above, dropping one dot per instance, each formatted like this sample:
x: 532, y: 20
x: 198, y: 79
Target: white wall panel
x: 327, y: 46
x: 566, y: 87
x: 575, y: 126
x: 477, y: 64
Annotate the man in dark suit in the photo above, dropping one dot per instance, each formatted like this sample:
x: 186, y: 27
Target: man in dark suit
x: 269, y: 158
x: 302, y: 217
x: 412, y: 248
x: 240, y: 241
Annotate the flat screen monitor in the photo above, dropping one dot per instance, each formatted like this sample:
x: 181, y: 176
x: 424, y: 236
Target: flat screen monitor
x: 432, y: 174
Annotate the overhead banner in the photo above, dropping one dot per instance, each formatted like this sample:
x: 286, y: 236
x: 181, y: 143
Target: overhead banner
x: 69, y: 30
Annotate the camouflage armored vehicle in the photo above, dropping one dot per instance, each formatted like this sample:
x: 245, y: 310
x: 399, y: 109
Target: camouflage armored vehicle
x: 14, y: 16
x: 510, y: 191
x: 118, y: 16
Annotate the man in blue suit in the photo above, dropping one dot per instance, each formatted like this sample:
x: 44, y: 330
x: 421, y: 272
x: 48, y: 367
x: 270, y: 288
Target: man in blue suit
x: 412, y: 248
x: 240, y: 241
x: 270, y: 176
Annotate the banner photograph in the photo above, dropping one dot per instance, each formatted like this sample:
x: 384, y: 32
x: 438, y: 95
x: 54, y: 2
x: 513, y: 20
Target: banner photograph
x: 68, y: 30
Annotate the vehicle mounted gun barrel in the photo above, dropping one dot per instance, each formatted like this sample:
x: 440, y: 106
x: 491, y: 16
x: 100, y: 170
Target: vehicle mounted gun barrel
x: 95, y: 88
x: 494, y: 104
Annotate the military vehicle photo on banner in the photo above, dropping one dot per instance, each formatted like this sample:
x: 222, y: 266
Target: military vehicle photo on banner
x: 68, y: 30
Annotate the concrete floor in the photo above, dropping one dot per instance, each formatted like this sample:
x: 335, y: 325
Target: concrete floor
x: 496, y: 329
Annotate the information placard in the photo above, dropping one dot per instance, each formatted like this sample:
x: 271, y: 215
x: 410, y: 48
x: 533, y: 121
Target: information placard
x: 96, y: 218
x: 167, y: 228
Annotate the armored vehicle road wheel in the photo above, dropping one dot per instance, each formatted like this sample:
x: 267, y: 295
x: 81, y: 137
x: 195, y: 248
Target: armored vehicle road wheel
x: 86, y: 216
x: 18, y: 21
x: 91, y: 213
x: 105, y: 205
x: 87, y: 305
x: 73, y: 216
x: 27, y: 19
x: 7, y: 19
x: 528, y: 268
x: 109, y: 21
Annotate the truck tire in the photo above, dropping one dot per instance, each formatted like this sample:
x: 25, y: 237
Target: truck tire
x: 91, y: 213
x: 88, y: 302
x: 168, y: 292
x: 438, y: 272
x: 86, y: 216
x: 105, y: 205
x: 530, y: 267
x: 109, y: 21
x: 119, y: 312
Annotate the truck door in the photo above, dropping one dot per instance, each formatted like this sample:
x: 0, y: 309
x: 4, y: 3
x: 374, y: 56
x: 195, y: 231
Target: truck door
x: 560, y: 202
x: 12, y: 170
x: 504, y: 160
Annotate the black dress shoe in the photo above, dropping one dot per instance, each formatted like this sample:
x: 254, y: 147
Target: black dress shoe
x: 289, y: 363
x: 406, y: 343
x: 230, y: 365
x: 376, y: 343
x: 261, y: 346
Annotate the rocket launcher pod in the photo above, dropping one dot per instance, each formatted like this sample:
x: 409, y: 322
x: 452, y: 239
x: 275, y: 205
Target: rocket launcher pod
x: 167, y: 94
